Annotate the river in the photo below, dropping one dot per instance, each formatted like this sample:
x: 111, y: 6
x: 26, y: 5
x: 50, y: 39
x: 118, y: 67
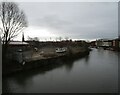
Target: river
x: 95, y: 73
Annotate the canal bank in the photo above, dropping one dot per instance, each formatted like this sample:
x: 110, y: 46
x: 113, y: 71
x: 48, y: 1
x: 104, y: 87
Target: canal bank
x: 39, y: 62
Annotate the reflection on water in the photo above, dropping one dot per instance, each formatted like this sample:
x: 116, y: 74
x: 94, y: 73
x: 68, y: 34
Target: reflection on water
x: 96, y: 72
x: 87, y: 59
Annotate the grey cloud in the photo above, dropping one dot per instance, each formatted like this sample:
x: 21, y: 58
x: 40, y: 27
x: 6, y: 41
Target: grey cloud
x: 76, y: 20
x: 53, y: 21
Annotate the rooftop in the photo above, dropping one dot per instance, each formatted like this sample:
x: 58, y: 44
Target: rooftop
x: 18, y: 43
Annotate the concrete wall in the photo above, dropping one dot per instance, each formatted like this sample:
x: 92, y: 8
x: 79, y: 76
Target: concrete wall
x: 20, y: 56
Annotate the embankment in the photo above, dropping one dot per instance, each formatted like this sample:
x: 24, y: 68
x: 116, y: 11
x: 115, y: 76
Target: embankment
x: 47, y: 59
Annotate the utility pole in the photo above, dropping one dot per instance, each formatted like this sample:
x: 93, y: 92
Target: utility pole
x: 23, y: 39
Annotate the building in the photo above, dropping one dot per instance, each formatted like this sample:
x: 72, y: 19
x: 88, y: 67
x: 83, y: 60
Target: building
x: 112, y: 44
x: 116, y: 44
x: 18, y: 45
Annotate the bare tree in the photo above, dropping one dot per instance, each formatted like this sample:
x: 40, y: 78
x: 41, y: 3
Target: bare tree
x: 60, y: 38
x: 66, y: 38
x: 12, y: 21
x: 33, y: 39
x: 56, y: 39
x: 36, y: 39
x: 29, y: 38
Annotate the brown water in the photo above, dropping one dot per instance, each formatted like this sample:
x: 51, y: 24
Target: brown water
x: 96, y: 73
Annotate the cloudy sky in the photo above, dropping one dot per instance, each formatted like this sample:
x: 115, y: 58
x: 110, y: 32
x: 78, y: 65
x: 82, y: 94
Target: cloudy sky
x: 76, y: 20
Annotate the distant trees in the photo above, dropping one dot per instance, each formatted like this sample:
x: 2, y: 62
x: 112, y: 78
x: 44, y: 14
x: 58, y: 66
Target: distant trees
x: 36, y: 39
x: 29, y: 38
x: 33, y: 39
x: 66, y: 38
x: 60, y: 38
x: 12, y: 21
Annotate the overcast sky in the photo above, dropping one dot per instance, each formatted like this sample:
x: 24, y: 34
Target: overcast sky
x: 75, y: 20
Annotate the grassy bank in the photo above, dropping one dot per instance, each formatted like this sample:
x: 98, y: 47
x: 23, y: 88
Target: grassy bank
x: 47, y: 57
